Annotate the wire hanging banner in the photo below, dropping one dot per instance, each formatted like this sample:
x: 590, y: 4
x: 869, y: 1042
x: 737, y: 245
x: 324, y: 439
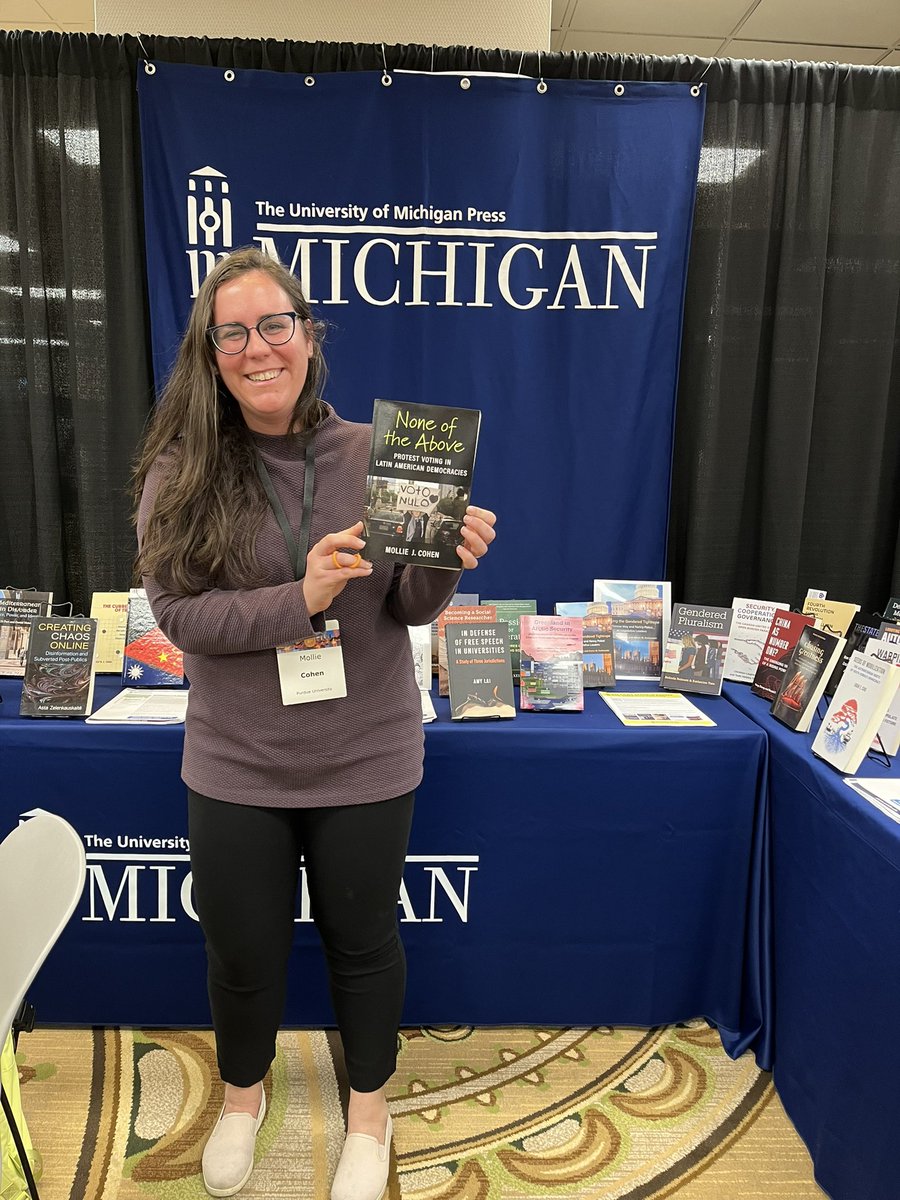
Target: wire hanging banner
x: 504, y: 246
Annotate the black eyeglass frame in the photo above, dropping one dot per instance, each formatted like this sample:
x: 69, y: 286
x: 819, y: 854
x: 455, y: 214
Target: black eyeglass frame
x: 213, y: 329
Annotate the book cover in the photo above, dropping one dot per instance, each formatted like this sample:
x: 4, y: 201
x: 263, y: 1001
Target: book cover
x: 751, y: 623
x: 467, y: 599
x: 480, y: 671
x: 833, y: 615
x: 804, y: 680
x: 110, y: 609
x: 889, y: 631
x: 18, y: 606
x: 598, y: 651
x: 510, y: 611
x: 780, y: 641
x: 149, y: 658
x: 863, y: 627
x: 696, y: 648
x: 458, y: 614
x: 59, y: 669
x: 641, y: 610
x: 551, y: 666
x: 860, y: 703
x: 419, y: 481
x: 892, y: 609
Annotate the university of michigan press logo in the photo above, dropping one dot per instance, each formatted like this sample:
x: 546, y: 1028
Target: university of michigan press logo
x: 208, y: 216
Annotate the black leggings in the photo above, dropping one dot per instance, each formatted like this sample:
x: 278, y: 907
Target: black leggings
x: 245, y: 862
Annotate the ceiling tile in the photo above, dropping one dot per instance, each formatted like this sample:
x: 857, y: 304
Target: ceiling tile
x: 643, y: 43
x: 800, y: 52
x: 34, y: 26
x: 556, y: 39
x: 14, y: 12
x: 558, y: 13
x: 829, y: 22
x: 892, y: 60
x: 710, y: 18
x: 69, y: 12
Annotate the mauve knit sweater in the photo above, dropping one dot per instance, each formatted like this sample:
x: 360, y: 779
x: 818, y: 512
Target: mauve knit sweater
x: 241, y: 743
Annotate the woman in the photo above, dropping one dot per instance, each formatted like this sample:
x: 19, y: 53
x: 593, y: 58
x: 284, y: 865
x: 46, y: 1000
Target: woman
x: 240, y: 454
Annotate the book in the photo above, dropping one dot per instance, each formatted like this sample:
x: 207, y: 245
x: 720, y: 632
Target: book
x: 149, y: 658
x: 780, y: 641
x: 458, y: 614
x: 892, y: 609
x: 510, y: 611
x: 59, y: 669
x: 480, y: 672
x: 751, y: 623
x: 888, y: 735
x: 889, y: 631
x: 111, y: 612
x: 134, y: 706
x: 18, y: 606
x: 863, y: 627
x: 669, y: 709
x: 804, y: 680
x: 860, y: 703
x: 419, y: 481
x: 598, y: 653
x: 467, y: 599
x: 833, y: 615
x: 641, y: 610
x: 695, y: 649
x: 551, y: 666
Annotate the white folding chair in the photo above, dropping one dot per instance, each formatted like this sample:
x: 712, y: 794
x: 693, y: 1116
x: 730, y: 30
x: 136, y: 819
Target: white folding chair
x: 42, y: 869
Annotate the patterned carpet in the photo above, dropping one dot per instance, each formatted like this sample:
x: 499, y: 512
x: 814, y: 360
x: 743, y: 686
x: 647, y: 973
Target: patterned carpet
x: 479, y: 1114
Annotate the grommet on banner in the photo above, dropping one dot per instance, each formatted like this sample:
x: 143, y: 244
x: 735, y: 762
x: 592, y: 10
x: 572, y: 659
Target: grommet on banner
x: 695, y: 90
x: 229, y: 76
x: 465, y: 84
x: 541, y: 87
x: 619, y: 89
x: 309, y: 81
x: 149, y: 68
x: 386, y: 81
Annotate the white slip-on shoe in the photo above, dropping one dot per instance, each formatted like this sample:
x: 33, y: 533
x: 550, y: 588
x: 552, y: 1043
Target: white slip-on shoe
x: 362, y: 1173
x: 228, y: 1155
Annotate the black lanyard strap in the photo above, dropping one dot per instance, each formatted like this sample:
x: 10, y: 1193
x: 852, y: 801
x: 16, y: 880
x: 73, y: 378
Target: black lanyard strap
x: 297, y: 548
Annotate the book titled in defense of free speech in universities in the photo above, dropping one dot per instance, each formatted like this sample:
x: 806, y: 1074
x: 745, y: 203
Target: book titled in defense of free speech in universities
x: 419, y: 482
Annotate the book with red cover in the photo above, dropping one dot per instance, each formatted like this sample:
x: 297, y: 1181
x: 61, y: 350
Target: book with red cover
x: 807, y: 673
x: 149, y: 659
x: 781, y: 639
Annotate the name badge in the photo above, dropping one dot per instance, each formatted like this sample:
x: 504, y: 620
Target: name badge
x: 312, y: 668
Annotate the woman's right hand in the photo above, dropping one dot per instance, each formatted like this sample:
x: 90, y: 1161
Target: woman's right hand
x: 330, y: 567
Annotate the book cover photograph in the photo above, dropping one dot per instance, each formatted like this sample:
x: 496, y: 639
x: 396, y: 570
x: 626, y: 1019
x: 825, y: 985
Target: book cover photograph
x: 860, y: 703
x: 111, y: 612
x: 510, y: 611
x: 419, y: 481
x: 480, y: 671
x: 749, y: 628
x: 781, y: 639
x: 551, y: 666
x: 804, y: 679
x: 18, y: 606
x: 641, y: 610
x: 149, y: 658
x: 696, y: 648
x: 59, y: 670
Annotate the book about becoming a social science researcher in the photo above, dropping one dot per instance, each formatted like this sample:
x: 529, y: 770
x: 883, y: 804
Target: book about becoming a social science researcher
x: 510, y: 611
x: 480, y: 670
x: 111, y: 612
x: 551, y: 667
x: 149, y: 658
x: 419, y: 482
x: 458, y: 614
x: 859, y: 705
x: 804, y: 681
x: 781, y: 639
x: 18, y: 606
x: 59, y: 670
x: 833, y: 615
x: 751, y: 623
x: 696, y: 648
x: 641, y: 610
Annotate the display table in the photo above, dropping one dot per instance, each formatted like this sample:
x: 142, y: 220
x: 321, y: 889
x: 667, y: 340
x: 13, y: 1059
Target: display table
x: 836, y: 928
x: 563, y: 869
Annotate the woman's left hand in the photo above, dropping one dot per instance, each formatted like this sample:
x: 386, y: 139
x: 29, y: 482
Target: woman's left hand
x: 478, y: 532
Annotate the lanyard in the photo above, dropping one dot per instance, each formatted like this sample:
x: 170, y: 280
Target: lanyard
x: 297, y: 549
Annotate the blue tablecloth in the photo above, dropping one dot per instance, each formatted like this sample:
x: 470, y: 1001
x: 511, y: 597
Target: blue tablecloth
x: 836, y: 929
x: 564, y: 869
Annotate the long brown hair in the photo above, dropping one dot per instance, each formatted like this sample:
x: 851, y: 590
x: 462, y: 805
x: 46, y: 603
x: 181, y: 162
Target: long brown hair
x: 210, y: 503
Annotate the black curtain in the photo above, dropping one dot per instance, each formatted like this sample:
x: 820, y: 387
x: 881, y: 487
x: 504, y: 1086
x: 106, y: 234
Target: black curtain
x: 786, y: 471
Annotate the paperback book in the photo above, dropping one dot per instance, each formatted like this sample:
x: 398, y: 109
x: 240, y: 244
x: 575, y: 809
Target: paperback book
x: 599, y: 656
x: 888, y: 736
x: 695, y: 649
x: 110, y: 609
x: 751, y: 623
x: 480, y: 671
x: 833, y: 615
x: 464, y: 599
x: 779, y: 646
x: 419, y: 481
x: 458, y: 614
x: 59, y: 669
x: 889, y: 631
x: 640, y: 611
x: 18, y: 607
x: 510, y: 611
x: 551, y: 666
x: 804, y: 681
x: 149, y: 658
x: 860, y: 703
x: 892, y: 609
x: 863, y: 627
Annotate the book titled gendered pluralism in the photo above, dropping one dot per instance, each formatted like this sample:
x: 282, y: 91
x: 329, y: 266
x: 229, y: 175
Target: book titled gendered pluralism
x: 419, y: 482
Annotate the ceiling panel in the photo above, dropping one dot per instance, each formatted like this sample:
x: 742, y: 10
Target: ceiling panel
x: 800, y: 52
x: 892, y: 60
x: 558, y: 11
x: 699, y: 18
x: 632, y: 43
x: 829, y: 22
x: 70, y: 12
x: 13, y: 12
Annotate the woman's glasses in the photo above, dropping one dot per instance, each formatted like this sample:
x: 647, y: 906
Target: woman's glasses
x: 232, y: 338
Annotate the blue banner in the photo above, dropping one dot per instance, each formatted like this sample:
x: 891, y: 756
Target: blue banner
x: 479, y: 242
